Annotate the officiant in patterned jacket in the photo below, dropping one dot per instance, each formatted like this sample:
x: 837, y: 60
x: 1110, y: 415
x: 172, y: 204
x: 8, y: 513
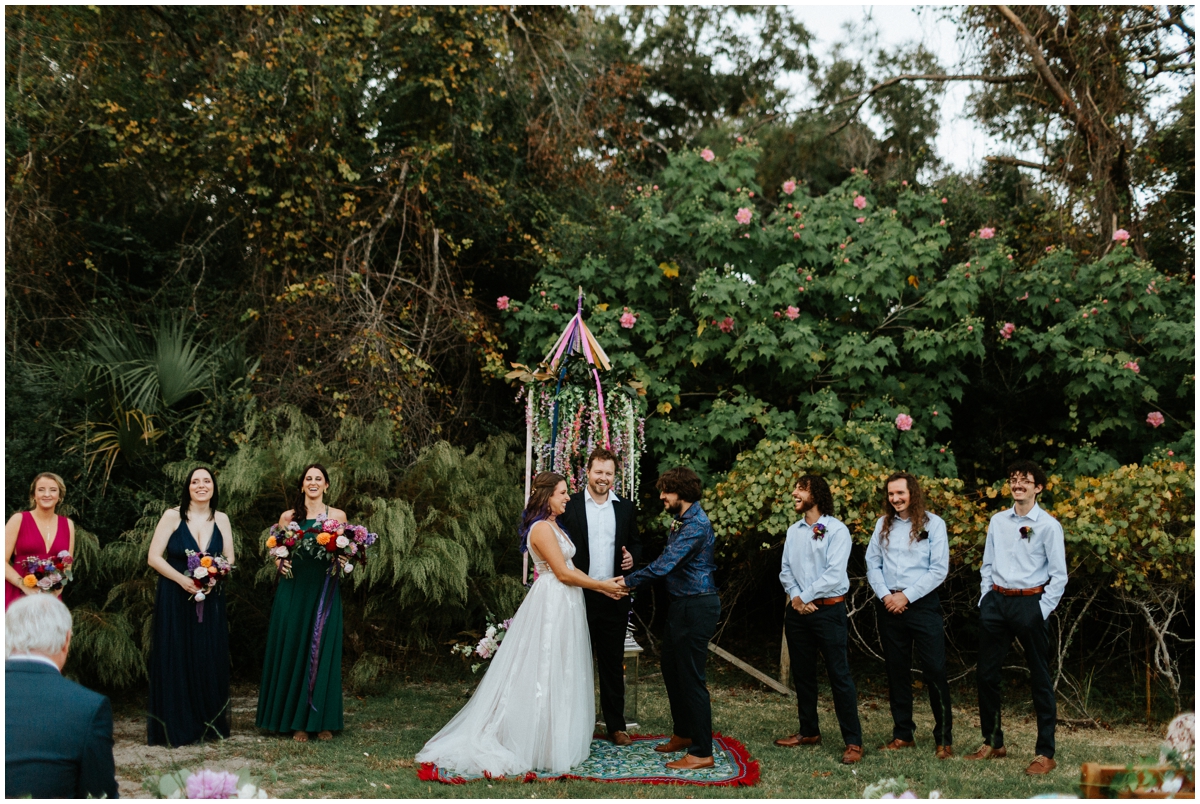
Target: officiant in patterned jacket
x: 604, y: 530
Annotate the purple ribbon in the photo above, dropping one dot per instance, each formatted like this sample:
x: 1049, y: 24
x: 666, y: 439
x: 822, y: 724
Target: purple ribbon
x: 200, y: 612
x: 323, y: 608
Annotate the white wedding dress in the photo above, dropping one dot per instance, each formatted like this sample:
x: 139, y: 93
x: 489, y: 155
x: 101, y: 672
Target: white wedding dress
x: 535, y: 707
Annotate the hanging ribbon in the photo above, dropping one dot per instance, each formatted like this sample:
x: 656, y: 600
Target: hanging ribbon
x: 314, y: 653
x: 200, y: 612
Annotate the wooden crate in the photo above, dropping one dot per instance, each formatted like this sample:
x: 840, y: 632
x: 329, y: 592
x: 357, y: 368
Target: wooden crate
x: 1095, y: 779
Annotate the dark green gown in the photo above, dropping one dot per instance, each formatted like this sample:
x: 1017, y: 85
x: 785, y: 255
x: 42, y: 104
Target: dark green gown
x: 283, y: 696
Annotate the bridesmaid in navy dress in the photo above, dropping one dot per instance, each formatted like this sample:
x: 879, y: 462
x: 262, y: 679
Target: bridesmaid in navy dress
x: 189, y: 658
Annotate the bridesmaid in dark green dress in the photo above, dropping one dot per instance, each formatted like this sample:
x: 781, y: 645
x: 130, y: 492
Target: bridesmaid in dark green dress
x: 292, y: 697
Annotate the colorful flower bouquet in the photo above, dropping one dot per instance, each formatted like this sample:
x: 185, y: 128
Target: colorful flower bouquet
x: 343, y: 544
x: 206, y: 570
x: 487, y: 645
x: 206, y: 783
x: 47, y: 574
x: 281, y: 543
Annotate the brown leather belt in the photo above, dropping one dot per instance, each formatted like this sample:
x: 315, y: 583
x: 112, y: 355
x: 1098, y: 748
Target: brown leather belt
x: 829, y: 601
x: 1037, y: 590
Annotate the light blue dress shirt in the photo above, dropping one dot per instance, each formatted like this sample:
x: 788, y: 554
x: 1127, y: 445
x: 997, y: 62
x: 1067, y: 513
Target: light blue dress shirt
x: 1016, y: 563
x: 916, y: 568
x: 815, y: 568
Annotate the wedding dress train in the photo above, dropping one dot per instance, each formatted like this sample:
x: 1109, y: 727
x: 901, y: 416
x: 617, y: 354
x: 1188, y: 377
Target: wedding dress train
x: 535, y: 707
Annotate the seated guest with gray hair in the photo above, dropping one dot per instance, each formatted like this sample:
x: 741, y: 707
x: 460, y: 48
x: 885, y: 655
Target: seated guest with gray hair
x: 75, y: 758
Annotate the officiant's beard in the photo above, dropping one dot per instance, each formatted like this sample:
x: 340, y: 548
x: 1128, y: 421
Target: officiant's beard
x: 675, y: 508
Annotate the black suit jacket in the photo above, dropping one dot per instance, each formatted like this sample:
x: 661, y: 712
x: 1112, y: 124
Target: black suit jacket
x: 58, y: 735
x: 574, y: 522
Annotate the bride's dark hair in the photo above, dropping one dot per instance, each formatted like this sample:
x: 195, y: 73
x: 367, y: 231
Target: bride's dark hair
x: 538, y: 507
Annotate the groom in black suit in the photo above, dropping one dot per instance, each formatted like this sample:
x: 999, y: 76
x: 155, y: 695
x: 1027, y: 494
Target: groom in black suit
x: 604, y: 530
x: 72, y: 757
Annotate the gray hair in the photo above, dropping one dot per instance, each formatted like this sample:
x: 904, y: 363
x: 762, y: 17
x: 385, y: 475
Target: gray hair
x: 36, y: 624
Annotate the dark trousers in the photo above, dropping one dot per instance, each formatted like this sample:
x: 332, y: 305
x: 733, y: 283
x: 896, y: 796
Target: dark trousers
x: 920, y: 625
x: 691, y: 623
x: 824, y: 630
x: 607, y: 621
x: 1002, y: 618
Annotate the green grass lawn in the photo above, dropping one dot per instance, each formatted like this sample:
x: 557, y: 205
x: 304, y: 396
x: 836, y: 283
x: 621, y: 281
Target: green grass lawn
x: 373, y: 757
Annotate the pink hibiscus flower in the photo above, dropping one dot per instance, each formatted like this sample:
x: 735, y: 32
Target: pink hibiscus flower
x: 789, y: 186
x: 707, y: 155
x: 726, y: 325
x: 860, y: 202
x: 1133, y: 366
x: 987, y: 233
x: 502, y: 303
x: 1120, y: 235
x: 1155, y: 419
x: 628, y: 319
x: 792, y: 312
x: 904, y: 422
x: 743, y: 215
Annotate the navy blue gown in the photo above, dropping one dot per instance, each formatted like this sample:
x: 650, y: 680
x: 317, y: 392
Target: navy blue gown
x: 189, y: 659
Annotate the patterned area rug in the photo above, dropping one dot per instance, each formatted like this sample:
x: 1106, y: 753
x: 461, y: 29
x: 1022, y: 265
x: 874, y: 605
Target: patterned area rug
x: 636, y: 764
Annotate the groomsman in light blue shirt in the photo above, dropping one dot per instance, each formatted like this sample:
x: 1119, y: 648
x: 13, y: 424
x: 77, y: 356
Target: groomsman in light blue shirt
x: 908, y: 558
x: 1023, y: 576
x: 814, y: 576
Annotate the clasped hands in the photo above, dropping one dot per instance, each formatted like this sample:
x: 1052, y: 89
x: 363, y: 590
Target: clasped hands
x: 896, y: 603
x: 614, y: 588
x: 801, y: 607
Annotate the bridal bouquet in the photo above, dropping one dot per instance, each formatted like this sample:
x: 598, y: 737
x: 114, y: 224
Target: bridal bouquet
x: 487, y: 645
x: 281, y: 543
x: 47, y: 574
x: 206, y: 570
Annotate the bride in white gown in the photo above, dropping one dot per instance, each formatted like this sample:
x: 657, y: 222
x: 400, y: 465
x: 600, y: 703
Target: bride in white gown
x: 535, y: 708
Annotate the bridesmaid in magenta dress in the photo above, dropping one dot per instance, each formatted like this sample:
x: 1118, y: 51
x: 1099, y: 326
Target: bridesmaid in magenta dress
x: 38, y: 532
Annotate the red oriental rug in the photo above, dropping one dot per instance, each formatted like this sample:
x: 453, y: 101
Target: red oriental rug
x: 638, y: 763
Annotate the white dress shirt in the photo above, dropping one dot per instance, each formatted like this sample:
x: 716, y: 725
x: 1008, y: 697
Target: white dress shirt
x: 814, y: 568
x: 1018, y: 563
x: 602, y: 534
x: 915, y: 568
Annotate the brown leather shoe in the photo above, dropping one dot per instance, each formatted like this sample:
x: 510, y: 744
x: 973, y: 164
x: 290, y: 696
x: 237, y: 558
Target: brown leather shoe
x: 689, y: 762
x: 853, y: 754
x: 987, y: 752
x: 794, y: 740
x: 1040, y: 765
x: 676, y: 743
x: 897, y: 744
x: 620, y: 738
x: 944, y: 752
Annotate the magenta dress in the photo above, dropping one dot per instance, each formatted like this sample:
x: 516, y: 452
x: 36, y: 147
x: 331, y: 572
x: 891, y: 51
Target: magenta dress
x: 31, y: 543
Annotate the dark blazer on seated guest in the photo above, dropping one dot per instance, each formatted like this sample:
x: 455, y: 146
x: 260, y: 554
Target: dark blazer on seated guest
x: 58, y: 735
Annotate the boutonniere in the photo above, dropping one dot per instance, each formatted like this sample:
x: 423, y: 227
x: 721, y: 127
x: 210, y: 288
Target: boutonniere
x: 818, y: 532
x: 923, y: 536
x: 1026, y: 532
x: 675, y: 525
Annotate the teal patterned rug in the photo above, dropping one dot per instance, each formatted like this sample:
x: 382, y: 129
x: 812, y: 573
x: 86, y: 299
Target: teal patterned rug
x: 638, y: 763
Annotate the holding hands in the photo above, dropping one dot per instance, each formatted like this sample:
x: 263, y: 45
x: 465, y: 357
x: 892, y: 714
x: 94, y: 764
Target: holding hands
x: 614, y: 588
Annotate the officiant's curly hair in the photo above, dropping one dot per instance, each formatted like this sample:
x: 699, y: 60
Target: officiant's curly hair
x: 538, y: 507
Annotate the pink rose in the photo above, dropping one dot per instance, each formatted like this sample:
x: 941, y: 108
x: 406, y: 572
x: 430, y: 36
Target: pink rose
x: 1120, y: 235
x: 743, y: 215
x: 707, y: 155
x: 1155, y: 419
x: 726, y: 325
x: 987, y: 233
x: 1133, y: 366
x: 860, y: 202
x: 628, y: 319
x: 792, y: 312
x: 789, y: 186
x: 904, y: 422
x: 502, y: 303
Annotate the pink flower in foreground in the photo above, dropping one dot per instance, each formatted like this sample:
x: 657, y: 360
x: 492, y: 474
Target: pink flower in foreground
x: 1120, y: 235
x: 707, y: 155
x: 502, y: 303
x: 792, y: 312
x: 628, y: 319
x: 743, y: 215
x: 1133, y: 366
x: 904, y: 422
x: 789, y: 186
x: 860, y: 202
x: 1007, y: 330
x: 987, y: 233
x: 207, y: 783
x: 1155, y: 419
x: 943, y: 200
x: 726, y: 325
x: 859, y: 220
